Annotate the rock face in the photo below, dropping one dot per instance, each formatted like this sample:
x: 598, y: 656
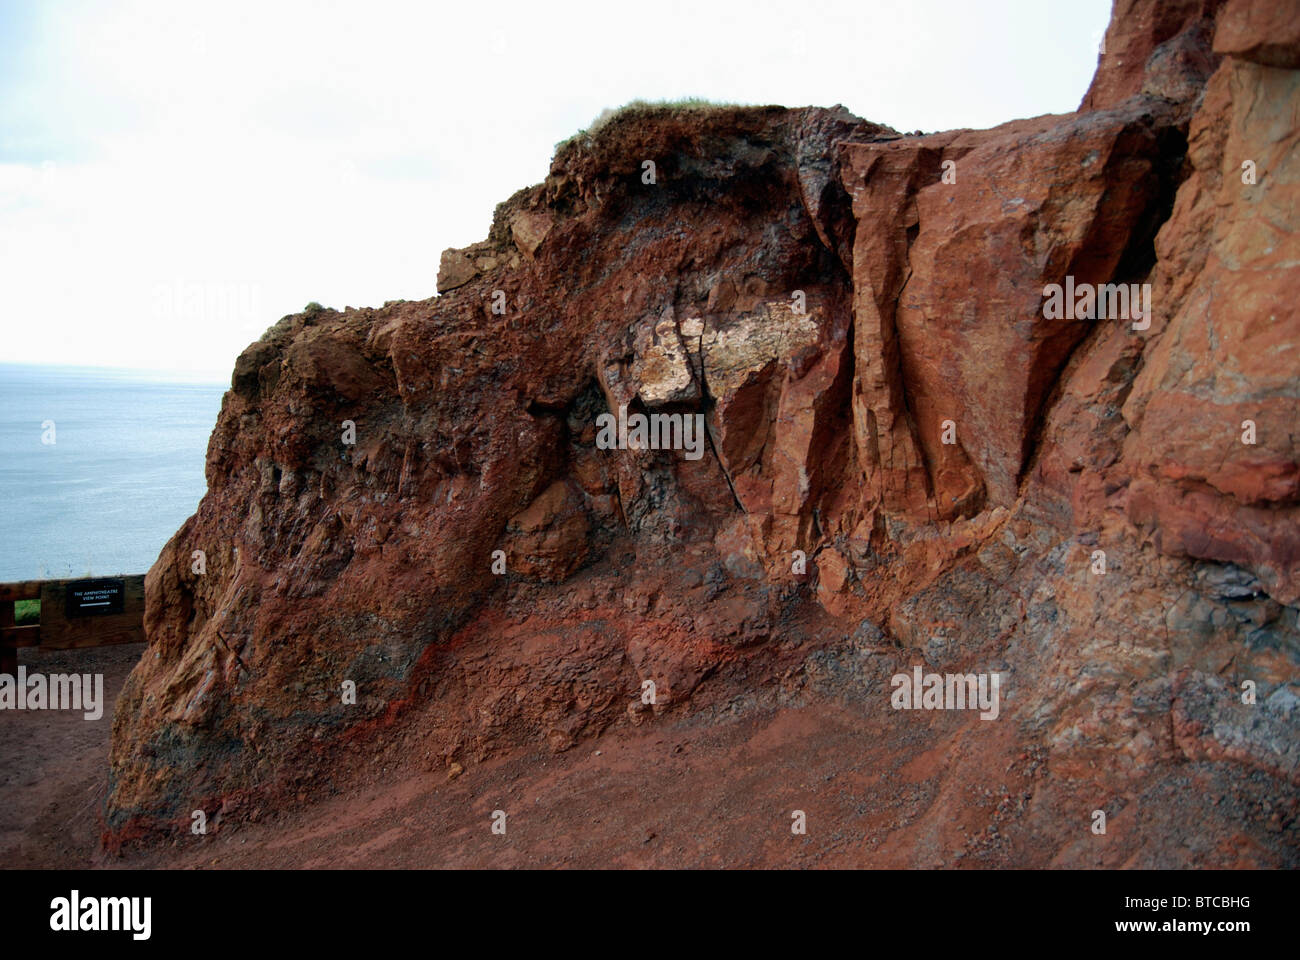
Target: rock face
x: 908, y: 458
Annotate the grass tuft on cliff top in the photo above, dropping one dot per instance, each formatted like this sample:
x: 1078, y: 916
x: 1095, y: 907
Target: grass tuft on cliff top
x: 634, y: 107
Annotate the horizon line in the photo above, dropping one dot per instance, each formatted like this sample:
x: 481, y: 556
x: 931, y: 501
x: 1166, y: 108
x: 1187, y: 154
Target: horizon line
x: 209, y: 375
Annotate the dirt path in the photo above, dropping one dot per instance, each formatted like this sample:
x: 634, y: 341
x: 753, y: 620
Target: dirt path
x: 53, y: 765
x: 878, y: 789
x: 685, y: 794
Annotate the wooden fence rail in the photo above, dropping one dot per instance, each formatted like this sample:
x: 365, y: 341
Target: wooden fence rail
x: 74, y: 613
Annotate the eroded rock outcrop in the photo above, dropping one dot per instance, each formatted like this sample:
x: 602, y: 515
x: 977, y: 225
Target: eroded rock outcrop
x: 908, y: 461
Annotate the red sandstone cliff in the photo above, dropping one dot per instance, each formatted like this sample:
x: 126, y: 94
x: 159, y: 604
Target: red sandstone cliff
x: 921, y: 264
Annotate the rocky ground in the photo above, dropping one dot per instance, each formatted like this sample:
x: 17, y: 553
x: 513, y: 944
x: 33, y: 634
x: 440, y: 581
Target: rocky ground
x: 706, y: 791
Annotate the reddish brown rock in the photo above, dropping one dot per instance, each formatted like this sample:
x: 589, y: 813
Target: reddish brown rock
x: 548, y: 540
x: 1213, y: 413
x: 1263, y: 33
x: 1144, y: 39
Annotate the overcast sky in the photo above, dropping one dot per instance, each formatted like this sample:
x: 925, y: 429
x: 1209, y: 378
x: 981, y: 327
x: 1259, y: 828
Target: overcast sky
x: 176, y: 176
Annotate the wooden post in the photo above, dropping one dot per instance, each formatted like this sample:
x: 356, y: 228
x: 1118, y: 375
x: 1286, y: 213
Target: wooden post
x: 59, y: 631
x: 8, y: 652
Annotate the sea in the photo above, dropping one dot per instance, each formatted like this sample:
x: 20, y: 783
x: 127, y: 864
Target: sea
x: 98, y: 467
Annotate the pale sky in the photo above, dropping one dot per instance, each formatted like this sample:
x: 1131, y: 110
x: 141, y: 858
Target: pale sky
x: 176, y: 176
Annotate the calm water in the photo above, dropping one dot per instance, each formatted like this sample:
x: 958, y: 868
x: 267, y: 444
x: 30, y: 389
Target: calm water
x: 124, y: 472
